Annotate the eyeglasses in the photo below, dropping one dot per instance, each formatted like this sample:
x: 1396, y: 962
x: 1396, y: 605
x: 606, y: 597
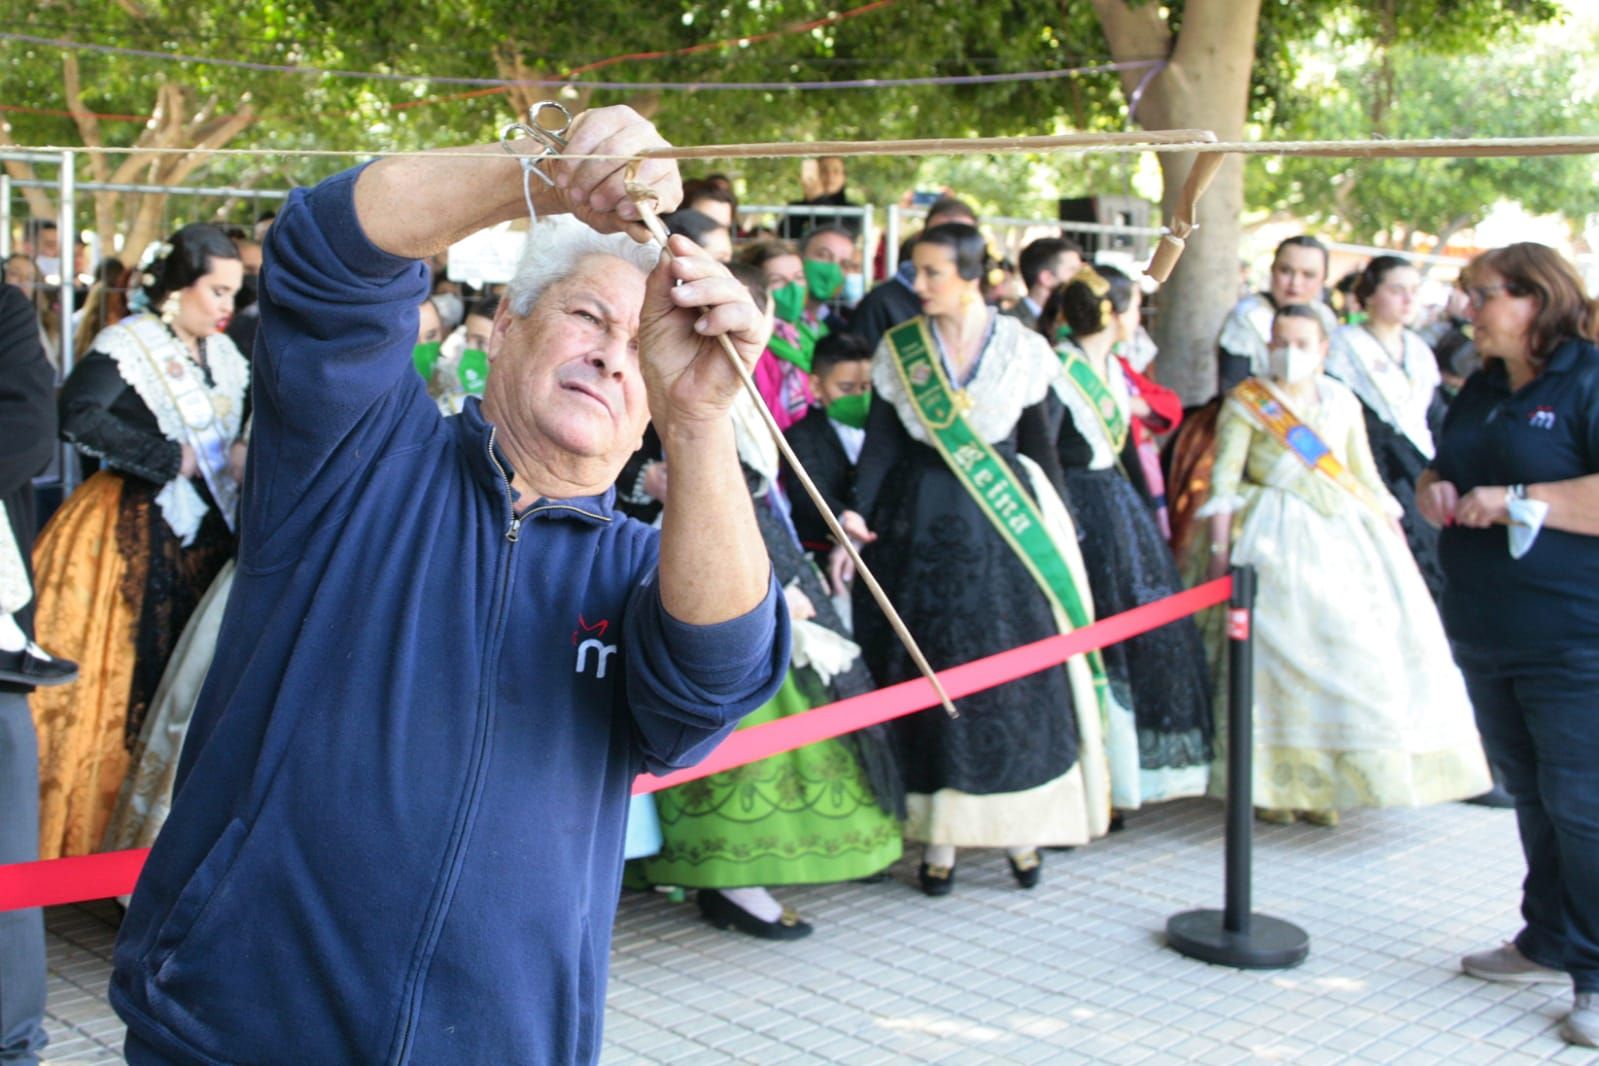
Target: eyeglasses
x: 1481, y: 294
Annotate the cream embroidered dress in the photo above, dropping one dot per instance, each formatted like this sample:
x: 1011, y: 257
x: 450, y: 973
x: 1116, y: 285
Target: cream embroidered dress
x: 1358, y: 702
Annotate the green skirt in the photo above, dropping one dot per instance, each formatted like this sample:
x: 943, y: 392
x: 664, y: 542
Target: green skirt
x: 802, y: 817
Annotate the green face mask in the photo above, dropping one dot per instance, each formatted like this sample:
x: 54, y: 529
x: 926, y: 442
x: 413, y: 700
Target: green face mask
x: 851, y: 410
x: 823, y: 279
x: 790, y: 301
x: 473, y: 371
x: 424, y: 356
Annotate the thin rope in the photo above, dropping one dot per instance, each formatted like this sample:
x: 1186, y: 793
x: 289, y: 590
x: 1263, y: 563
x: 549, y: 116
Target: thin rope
x: 1201, y: 142
x: 567, y: 79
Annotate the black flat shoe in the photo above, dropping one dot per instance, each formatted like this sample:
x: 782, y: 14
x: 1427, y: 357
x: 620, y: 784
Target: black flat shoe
x: 1027, y: 869
x: 725, y: 914
x: 936, y: 880
x: 32, y: 666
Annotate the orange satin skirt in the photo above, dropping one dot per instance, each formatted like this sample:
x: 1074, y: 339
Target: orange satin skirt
x: 82, y: 613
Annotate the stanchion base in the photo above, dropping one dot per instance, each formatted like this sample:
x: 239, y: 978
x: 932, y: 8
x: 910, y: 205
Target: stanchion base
x: 1270, y: 943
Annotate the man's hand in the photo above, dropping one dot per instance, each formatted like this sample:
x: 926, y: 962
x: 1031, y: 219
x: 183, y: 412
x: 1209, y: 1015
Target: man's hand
x: 685, y: 370
x: 593, y: 189
x: 418, y: 205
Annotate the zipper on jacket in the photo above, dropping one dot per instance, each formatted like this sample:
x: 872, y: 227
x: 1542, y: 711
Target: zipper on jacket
x: 474, y: 785
x: 513, y: 531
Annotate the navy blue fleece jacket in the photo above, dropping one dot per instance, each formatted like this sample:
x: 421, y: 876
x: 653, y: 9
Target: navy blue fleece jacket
x: 397, y: 833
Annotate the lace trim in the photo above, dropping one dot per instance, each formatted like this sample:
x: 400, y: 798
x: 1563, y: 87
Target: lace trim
x: 1015, y: 372
x: 230, y: 374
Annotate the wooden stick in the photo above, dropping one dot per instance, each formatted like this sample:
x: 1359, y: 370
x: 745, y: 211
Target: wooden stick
x: 645, y: 198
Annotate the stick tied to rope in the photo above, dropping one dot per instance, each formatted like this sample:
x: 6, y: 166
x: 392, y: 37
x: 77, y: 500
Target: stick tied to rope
x: 645, y: 198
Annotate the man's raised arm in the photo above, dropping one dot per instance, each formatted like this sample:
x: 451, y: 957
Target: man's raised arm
x: 415, y: 206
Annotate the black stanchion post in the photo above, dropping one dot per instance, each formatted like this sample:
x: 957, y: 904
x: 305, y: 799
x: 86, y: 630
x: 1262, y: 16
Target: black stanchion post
x: 1236, y: 936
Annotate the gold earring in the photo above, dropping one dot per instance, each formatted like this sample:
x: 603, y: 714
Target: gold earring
x: 170, y: 307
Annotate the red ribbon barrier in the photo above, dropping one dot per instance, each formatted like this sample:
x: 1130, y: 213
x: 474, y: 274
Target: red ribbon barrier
x: 113, y: 873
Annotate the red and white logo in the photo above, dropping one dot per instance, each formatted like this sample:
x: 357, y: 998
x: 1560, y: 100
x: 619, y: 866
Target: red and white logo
x: 1542, y: 418
x: 587, y: 638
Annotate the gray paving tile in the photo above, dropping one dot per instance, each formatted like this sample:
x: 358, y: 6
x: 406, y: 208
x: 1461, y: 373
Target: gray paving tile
x: 1075, y: 971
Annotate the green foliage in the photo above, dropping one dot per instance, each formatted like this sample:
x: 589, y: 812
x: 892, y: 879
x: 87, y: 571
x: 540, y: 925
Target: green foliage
x: 476, y: 38
x: 1517, y: 89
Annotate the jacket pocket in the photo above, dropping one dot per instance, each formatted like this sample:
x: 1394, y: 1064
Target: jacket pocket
x: 196, y: 895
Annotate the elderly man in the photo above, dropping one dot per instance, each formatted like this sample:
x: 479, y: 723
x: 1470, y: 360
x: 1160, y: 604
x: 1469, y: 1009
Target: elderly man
x: 398, y: 828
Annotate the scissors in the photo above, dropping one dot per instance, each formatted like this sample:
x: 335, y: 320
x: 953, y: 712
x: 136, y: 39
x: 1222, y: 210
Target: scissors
x: 552, y: 137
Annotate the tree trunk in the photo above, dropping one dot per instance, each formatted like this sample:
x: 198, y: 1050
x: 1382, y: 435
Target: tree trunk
x: 1205, y: 85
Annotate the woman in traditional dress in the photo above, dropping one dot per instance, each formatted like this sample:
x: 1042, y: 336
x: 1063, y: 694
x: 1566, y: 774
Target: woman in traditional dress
x: 975, y: 548
x: 1158, y: 732
x: 815, y: 815
x: 1298, y: 273
x: 1357, y: 701
x: 1395, y: 375
x: 121, y: 566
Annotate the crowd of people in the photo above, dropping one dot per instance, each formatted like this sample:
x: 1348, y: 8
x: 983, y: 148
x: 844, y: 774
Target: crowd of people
x: 1420, y: 516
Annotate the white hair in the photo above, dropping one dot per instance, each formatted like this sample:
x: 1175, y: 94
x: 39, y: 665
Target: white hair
x: 554, y: 247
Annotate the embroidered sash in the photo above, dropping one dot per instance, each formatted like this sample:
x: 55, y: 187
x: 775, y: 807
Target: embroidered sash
x: 172, y: 386
x: 1301, y: 441
x: 985, y: 475
x: 1112, y: 418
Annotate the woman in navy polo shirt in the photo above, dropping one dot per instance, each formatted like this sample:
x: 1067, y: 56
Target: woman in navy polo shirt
x: 1516, y: 487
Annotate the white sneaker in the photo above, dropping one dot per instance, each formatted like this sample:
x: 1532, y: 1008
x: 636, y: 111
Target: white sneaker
x: 1507, y: 965
x: 1581, y: 1026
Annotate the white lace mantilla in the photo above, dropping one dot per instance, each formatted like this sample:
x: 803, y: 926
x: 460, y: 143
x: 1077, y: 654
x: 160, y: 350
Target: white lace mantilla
x: 187, y: 410
x: 1015, y: 372
x: 1400, y: 393
x: 1247, y: 330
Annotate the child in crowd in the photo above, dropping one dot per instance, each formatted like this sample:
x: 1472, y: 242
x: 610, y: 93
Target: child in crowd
x: 22, y: 662
x: 828, y: 438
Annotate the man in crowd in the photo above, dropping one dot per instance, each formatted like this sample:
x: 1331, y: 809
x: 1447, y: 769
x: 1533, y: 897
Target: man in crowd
x: 895, y: 301
x: 828, y: 253
x: 398, y: 829
x: 1045, y: 264
x: 27, y: 440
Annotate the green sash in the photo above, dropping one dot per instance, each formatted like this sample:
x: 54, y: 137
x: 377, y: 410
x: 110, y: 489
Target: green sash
x: 1093, y: 387
x: 986, y: 476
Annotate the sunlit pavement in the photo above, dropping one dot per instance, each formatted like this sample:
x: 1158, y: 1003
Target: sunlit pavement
x: 1074, y: 971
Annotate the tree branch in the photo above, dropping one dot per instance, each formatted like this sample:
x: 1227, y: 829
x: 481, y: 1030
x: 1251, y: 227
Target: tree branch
x: 1132, y: 33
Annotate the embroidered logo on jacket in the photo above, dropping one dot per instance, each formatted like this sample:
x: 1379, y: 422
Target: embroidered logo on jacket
x: 1542, y: 418
x: 587, y: 638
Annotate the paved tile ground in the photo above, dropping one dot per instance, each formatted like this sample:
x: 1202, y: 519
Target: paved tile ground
x: 1073, y: 972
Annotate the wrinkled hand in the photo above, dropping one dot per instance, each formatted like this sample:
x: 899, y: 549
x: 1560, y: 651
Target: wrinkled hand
x: 687, y: 374
x: 594, y: 189
x: 1483, y: 507
x: 800, y: 607
x: 189, y: 465
x: 654, y: 484
x: 1437, y: 503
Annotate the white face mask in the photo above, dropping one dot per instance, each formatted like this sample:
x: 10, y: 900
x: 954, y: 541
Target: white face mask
x: 854, y: 289
x: 1291, y: 365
